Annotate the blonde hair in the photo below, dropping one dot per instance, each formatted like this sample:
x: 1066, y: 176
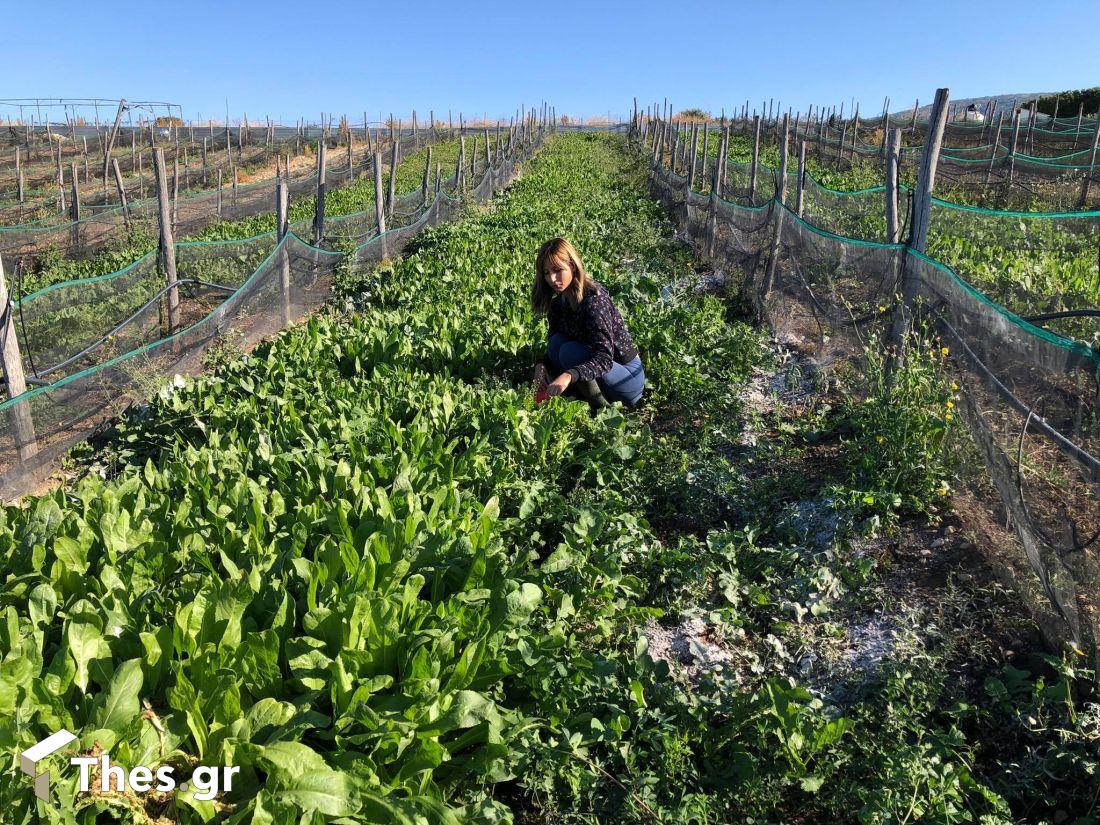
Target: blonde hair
x: 557, y: 251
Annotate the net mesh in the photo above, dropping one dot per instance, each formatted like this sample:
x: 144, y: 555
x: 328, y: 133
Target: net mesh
x: 192, y: 210
x: 1031, y: 395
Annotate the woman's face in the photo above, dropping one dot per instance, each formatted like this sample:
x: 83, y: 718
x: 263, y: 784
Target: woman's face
x: 559, y: 275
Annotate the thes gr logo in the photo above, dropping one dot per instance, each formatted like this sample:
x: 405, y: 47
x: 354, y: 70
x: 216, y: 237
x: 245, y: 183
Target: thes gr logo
x: 29, y: 758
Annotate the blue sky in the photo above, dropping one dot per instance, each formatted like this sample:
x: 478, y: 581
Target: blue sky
x: 288, y: 59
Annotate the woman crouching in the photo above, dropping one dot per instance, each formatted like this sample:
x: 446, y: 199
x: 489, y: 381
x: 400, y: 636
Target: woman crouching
x: 589, y: 347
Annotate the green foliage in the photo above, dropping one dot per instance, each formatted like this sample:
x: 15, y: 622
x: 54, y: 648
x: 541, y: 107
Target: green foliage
x: 364, y: 565
x: 898, y: 461
x: 1068, y: 102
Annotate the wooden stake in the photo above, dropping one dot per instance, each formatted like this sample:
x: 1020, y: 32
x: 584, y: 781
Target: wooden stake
x: 800, y: 203
x: 427, y: 177
x: 918, y: 224
x: 166, y: 250
x: 19, y: 177
x: 893, y: 155
x: 780, y: 213
x: 74, y: 206
x: 282, y: 226
x: 996, y: 146
x: 1087, y: 182
x: 121, y: 192
x: 694, y: 156
x: 391, y: 192
x: 1012, y: 150
x: 754, y: 168
x: 319, y: 203
x: 19, y: 414
x: 379, y: 204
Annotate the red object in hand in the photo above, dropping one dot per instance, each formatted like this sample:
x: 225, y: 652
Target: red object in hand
x: 541, y: 395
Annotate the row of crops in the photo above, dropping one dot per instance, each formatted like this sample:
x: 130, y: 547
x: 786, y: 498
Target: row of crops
x: 363, y: 566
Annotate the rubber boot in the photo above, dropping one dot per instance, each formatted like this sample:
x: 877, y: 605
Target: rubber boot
x: 590, y: 391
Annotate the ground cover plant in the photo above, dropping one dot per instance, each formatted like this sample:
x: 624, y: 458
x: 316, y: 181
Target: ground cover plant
x: 365, y: 566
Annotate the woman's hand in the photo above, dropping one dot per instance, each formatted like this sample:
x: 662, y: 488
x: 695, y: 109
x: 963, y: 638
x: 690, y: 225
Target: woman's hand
x: 559, y: 384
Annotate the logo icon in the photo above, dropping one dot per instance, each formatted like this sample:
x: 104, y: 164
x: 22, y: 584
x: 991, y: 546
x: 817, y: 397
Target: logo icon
x: 29, y: 758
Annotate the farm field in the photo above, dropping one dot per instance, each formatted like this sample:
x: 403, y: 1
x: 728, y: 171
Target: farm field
x: 364, y: 566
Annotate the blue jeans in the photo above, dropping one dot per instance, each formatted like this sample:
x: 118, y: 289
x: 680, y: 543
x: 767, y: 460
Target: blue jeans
x: 623, y: 382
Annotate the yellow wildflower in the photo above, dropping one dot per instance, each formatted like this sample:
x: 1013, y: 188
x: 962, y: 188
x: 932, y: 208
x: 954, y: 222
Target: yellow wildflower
x: 950, y: 405
x: 944, y: 351
x: 947, y: 417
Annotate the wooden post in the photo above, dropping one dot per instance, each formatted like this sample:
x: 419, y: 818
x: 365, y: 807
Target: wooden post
x: 351, y: 154
x: 1080, y: 116
x: 712, y: 218
x: 893, y: 154
x: 205, y: 162
x: 60, y: 179
x: 19, y: 179
x: 1087, y: 182
x: 379, y: 203
x: 427, y: 176
x: 74, y: 206
x: 461, y: 166
x: 780, y: 213
x: 694, y: 157
x: 800, y: 203
x: 282, y: 226
x: 219, y: 194
x: 1012, y: 150
x: 918, y: 224
x: 391, y: 190
x: 111, y: 140
x: 121, y: 192
x: 754, y: 168
x: 1029, y: 142
x: 26, y: 443
x: 996, y: 146
x: 926, y: 178
x: 166, y: 251
x: 175, y: 189
x: 723, y: 152
x: 319, y: 202
x: 706, y: 133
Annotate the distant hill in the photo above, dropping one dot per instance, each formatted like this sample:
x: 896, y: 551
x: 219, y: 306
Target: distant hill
x: 1004, y: 104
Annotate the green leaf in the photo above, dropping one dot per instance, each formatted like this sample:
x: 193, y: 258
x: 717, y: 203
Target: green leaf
x: 121, y: 704
x: 332, y: 793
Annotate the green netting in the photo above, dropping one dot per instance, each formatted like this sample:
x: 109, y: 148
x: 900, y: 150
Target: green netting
x: 1031, y: 394
x: 192, y: 210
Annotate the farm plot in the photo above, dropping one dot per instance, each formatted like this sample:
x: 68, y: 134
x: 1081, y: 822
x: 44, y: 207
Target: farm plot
x: 365, y: 567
